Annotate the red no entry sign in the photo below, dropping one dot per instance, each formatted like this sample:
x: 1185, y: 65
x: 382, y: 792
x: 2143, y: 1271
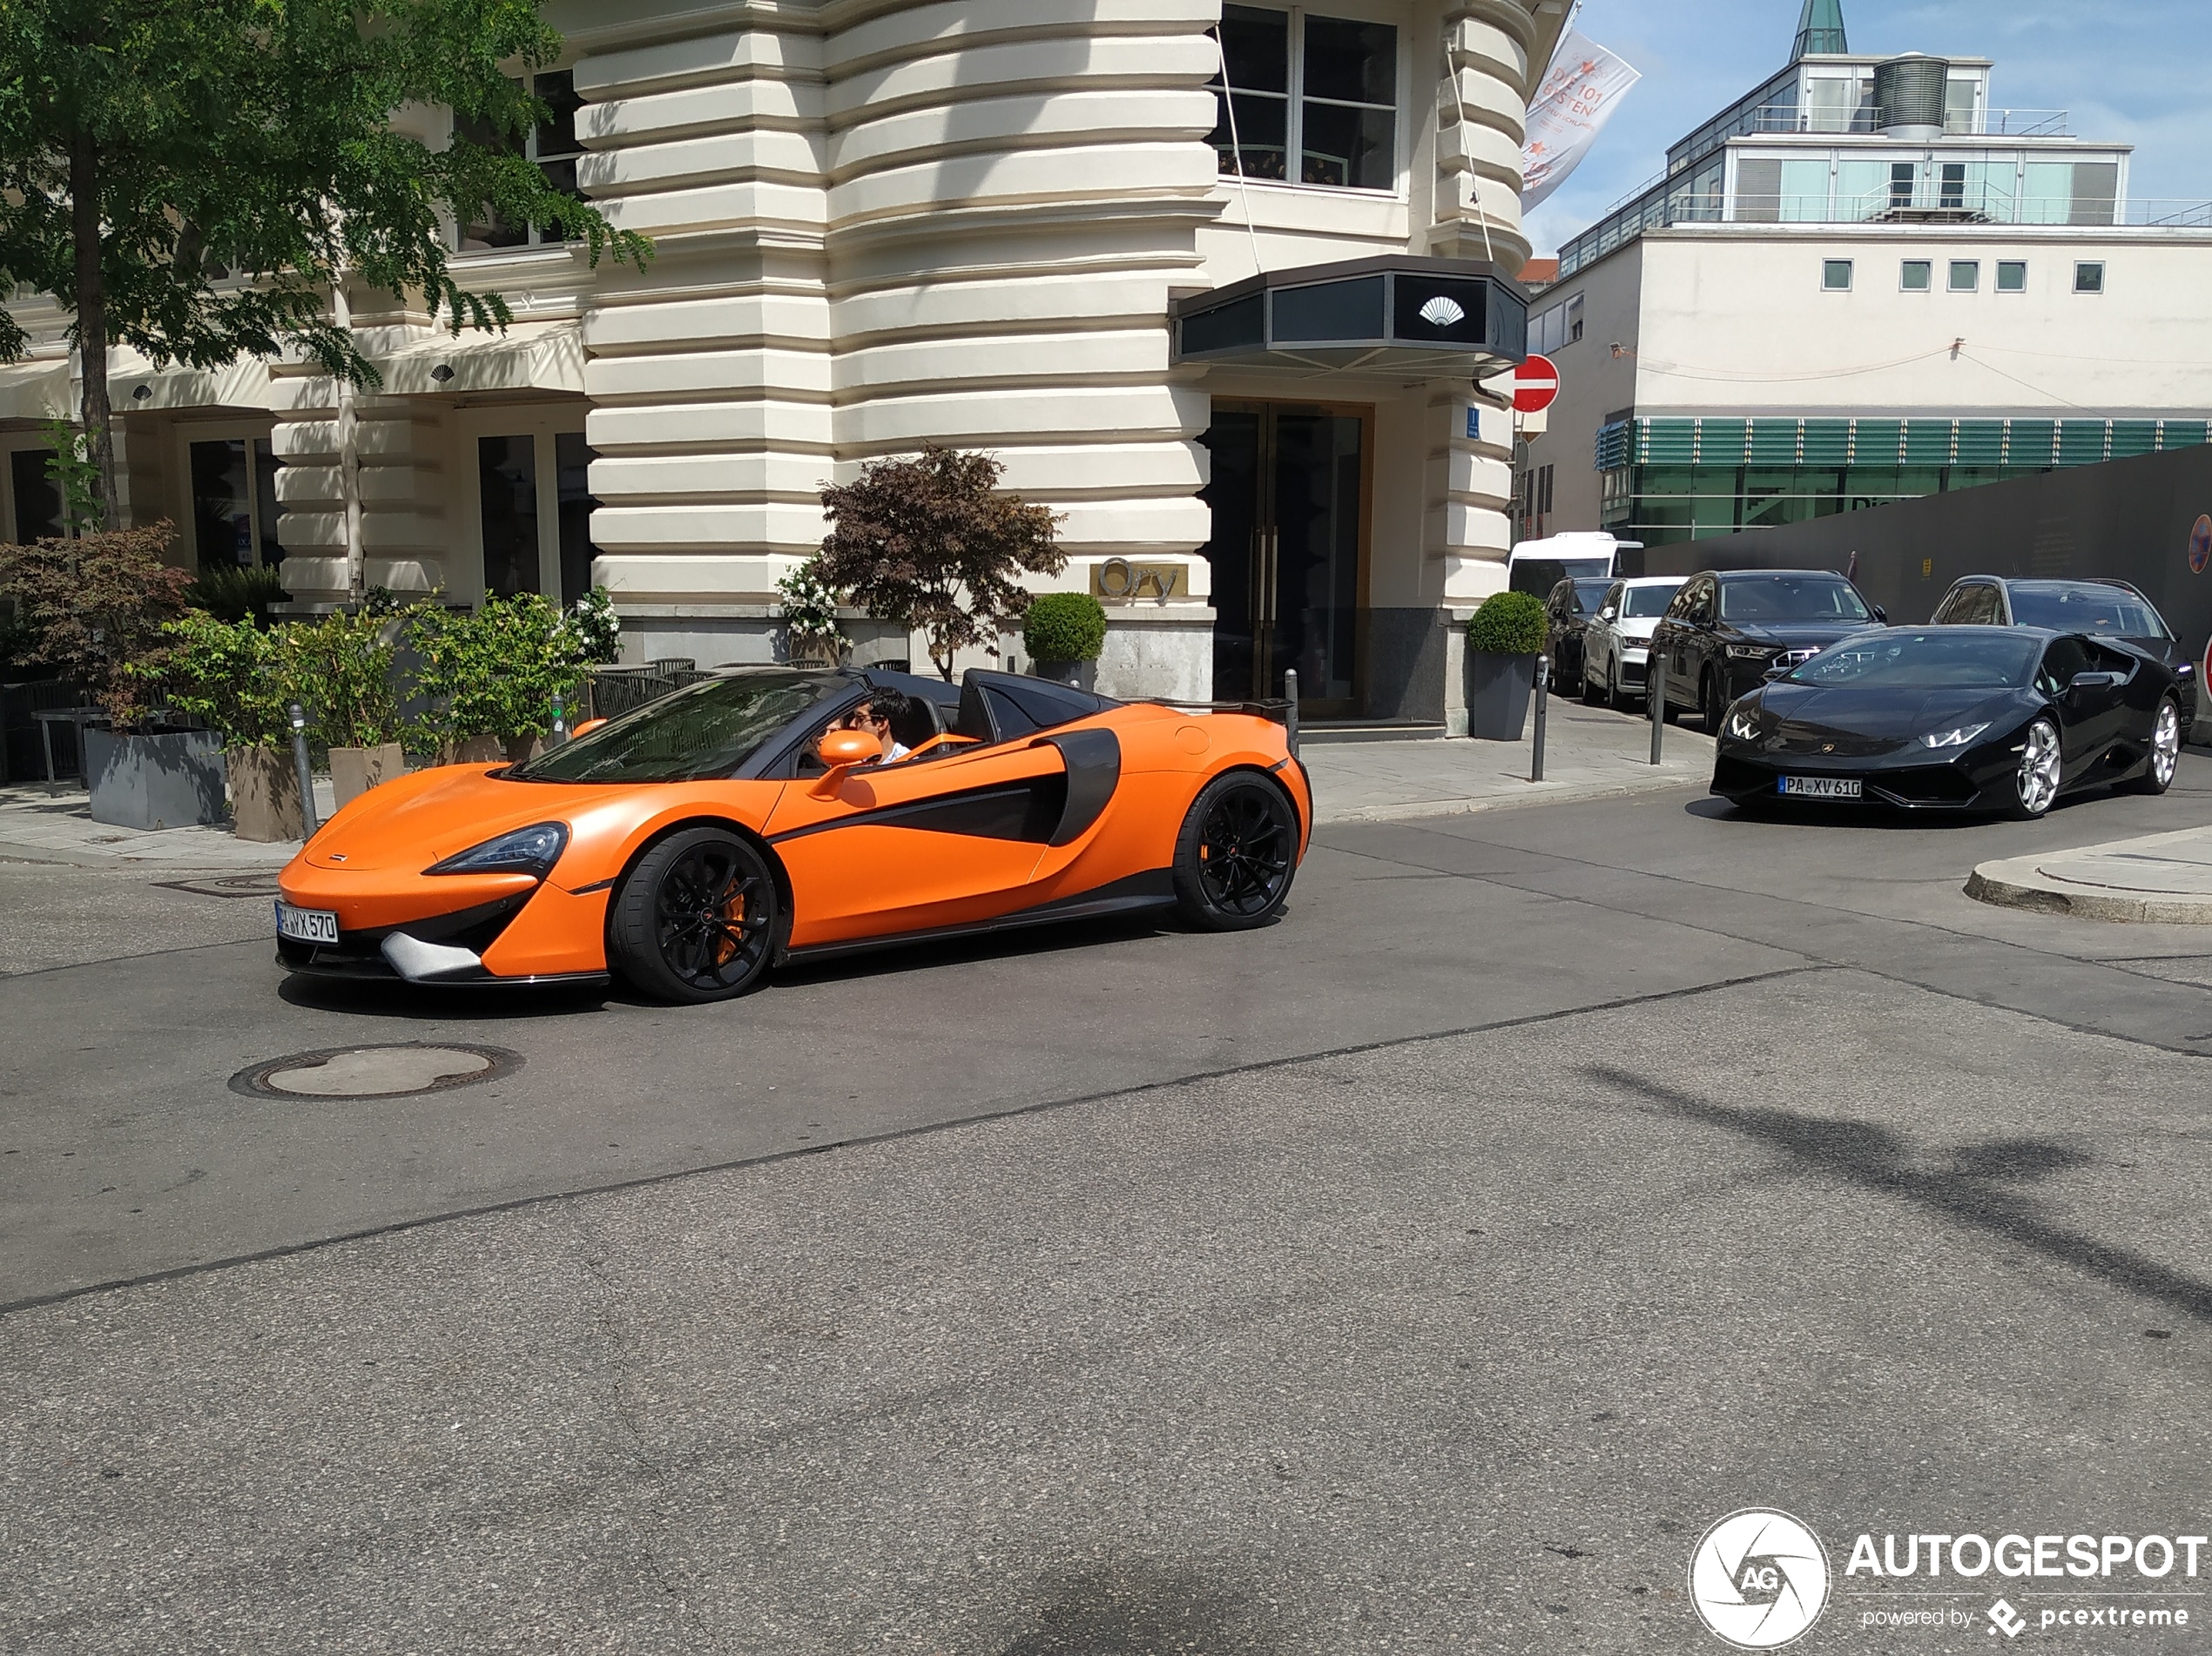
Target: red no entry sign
x: 1535, y: 383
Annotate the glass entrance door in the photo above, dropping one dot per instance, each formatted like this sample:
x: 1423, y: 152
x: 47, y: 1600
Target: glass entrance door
x: 1288, y: 493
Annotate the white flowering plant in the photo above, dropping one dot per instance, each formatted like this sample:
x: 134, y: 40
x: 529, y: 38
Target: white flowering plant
x: 810, y: 607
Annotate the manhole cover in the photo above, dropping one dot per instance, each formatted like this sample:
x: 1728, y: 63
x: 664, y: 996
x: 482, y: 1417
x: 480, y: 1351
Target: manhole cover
x: 225, y: 886
x: 375, y: 1072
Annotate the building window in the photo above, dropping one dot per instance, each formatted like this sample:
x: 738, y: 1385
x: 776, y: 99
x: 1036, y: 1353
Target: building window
x: 507, y: 486
x: 1324, y: 89
x: 234, y: 503
x: 38, y: 499
x: 1574, y: 320
x: 2011, y: 275
x: 1966, y: 275
x: 1953, y: 187
x: 1903, y: 175
x: 1915, y: 275
x: 2089, y: 278
x: 1835, y: 275
x: 552, y: 143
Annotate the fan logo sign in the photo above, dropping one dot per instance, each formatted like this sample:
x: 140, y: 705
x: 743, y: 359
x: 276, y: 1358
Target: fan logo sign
x: 1759, y: 1580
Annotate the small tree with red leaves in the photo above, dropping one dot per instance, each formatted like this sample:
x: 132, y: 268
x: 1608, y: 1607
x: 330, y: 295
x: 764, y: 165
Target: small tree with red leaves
x: 932, y: 543
x: 97, y: 606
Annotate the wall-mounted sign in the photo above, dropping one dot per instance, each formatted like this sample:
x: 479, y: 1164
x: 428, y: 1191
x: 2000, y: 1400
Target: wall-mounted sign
x: 2200, y: 544
x: 1122, y: 581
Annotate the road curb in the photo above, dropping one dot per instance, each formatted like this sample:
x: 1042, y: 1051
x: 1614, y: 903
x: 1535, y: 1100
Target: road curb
x: 2020, y: 882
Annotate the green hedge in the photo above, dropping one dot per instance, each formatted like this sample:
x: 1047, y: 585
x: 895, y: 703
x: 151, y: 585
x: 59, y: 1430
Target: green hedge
x: 1509, y: 623
x: 1064, y: 626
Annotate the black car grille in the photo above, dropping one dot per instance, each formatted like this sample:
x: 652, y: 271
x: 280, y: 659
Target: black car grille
x: 1927, y: 784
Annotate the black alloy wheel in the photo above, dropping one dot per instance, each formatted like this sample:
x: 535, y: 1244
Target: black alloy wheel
x: 1236, y: 854
x: 696, y: 920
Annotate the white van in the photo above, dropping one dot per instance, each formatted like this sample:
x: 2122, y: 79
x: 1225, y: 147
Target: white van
x: 1538, y: 566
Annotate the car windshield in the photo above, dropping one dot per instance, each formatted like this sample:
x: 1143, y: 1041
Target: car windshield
x: 1647, y: 602
x: 703, y: 730
x: 1790, y: 597
x: 1585, y: 568
x: 2087, y: 608
x: 1589, y: 594
x: 1941, y: 659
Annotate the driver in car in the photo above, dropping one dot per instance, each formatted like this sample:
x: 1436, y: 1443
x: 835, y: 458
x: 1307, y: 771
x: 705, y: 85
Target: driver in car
x: 878, y: 716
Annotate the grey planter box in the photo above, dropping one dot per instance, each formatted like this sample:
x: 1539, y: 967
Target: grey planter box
x: 1498, y: 688
x: 1078, y: 674
x: 171, y: 780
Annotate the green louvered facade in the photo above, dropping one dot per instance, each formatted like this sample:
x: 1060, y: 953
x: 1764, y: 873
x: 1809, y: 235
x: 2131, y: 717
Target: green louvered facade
x: 1673, y: 478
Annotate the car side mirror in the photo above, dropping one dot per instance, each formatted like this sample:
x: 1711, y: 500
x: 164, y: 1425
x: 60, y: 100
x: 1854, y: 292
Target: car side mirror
x: 2091, y: 680
x: 842, y: 750
x: 585, y: 729
x: 1881, y: 615
x: 1775, y: 672
x: 1607, y: 613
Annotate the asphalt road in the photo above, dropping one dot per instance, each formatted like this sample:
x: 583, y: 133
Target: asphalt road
x: 1424, y: 1274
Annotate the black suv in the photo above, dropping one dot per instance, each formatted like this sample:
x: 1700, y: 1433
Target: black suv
x: 2102, y: 609
x: 1566, y: 617
x: 1726, y: 628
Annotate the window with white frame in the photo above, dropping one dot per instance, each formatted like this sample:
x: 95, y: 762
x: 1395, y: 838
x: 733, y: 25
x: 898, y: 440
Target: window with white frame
x: 1304, y: 99
x: 552, y: 143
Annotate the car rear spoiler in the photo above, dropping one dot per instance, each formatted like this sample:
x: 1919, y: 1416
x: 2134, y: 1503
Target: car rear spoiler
x: 1282, y: 711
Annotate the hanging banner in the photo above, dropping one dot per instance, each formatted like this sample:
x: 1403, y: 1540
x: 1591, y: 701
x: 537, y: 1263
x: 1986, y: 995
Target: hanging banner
x: 1572, y: 104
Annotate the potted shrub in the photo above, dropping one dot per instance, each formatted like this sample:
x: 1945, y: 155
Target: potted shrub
x: 1063, y: 633
x: 1503, y: 638
x: 812, y: 635
x: 98, y: 605
x: 495, y: 676
x: 231, y: 676
x: 341, y: 665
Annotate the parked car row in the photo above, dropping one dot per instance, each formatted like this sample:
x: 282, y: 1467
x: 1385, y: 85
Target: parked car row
x: 2016, y: 693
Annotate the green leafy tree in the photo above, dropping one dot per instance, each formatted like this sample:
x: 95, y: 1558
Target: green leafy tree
x: 499, y: 670
x: 340, y: 667
x: 932, y: 543
x: 232, y: 674
x: 150, y: 149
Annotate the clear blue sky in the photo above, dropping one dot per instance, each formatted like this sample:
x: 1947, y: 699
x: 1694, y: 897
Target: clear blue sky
x: 2131, y: 70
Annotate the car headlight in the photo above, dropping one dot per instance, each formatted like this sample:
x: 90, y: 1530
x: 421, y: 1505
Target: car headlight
x: 533, y: 850
x: 1742, y: 724
x: 1957, y: 738
x: 1750, y: 652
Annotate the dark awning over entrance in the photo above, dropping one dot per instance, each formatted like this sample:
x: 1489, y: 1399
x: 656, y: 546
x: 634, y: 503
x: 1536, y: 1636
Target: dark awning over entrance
x: 1436, y: 318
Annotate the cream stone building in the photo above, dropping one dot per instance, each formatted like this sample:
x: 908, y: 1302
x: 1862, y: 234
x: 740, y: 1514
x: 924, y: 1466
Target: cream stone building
x: 1227, y: 310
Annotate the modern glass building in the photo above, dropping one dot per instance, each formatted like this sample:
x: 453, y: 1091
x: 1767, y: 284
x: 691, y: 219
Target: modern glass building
x: 1862, y: 282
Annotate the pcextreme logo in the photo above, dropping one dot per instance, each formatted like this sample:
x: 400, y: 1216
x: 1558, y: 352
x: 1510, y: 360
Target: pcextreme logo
x: 1759, y: 1578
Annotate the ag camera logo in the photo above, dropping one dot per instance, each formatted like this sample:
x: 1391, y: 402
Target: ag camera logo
x: 1759, y: 1578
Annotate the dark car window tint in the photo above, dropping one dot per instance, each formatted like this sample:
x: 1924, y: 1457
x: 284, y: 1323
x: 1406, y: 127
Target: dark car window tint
x: 1589, y: 597
x: 706, y: 729
x: 1790, y: 597
x: 2087, y: 609
x: 1646, y: 602
x: 1935, y: 659
x: 2065, y: 657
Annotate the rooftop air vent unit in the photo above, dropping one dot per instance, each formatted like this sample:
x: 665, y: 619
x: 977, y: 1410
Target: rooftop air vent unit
x: 1908, y: 96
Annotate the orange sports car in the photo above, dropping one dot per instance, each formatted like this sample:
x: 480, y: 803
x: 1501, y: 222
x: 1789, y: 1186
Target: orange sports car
x: 691, y: 845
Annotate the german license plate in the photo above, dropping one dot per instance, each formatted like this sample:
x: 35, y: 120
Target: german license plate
x: 1821, y: 787
x: 307, y: 925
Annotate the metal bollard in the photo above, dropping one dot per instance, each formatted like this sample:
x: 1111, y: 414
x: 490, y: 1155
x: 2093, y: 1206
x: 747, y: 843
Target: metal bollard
x: 306, y: 771
x: 1290, y: 713
x: 560, y: 731
x: 1654, y: 693
x: 1543, y: 702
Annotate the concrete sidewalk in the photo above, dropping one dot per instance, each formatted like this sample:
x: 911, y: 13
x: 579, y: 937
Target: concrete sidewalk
x: 1590, y: 752
x: 39, y: 827
x: 2162, y: 880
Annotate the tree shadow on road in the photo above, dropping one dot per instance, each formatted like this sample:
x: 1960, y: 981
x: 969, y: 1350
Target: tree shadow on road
x: 1975, y: 1186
